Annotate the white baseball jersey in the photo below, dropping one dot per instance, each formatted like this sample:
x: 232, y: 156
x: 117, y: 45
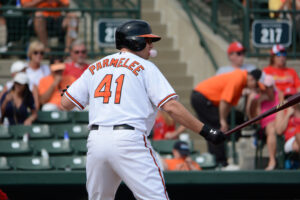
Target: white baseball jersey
x: 121, y: 89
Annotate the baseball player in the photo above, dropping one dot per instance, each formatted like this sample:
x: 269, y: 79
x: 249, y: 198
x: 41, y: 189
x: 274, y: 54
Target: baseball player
x: 124, y: 91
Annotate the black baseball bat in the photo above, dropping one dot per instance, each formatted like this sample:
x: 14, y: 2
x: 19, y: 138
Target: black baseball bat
x: 292, y: 100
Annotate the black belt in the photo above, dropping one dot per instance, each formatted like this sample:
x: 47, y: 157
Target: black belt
x: 115, y: 127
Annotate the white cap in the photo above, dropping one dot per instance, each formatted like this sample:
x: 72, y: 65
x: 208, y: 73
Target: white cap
x: 17, y: 67
x: 21, y: 78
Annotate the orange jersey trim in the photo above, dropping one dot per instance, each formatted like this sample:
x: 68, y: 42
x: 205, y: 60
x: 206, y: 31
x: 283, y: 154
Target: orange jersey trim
x: 159, y: 171
x: 166, y: 98
x: 74, y: 100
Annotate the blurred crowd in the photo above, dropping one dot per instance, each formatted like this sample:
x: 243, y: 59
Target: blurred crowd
x: 36, y: 84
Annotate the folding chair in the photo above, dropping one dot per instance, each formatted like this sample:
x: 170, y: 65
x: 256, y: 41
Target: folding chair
x: 5, y: 132
x: 53, y: 146
x: 74, y: 131
x: 30, y: 163
x: 52, y: 117
x: 14, y: 147
x: 69, y: 163
x: 35, y: 131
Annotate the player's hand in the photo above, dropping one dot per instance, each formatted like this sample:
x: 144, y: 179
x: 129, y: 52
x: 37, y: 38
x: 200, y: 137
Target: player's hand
x: 212, y: 135
x: 64, y: 90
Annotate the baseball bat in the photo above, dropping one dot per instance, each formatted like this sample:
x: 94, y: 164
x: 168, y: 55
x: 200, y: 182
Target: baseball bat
x: 286, y: 103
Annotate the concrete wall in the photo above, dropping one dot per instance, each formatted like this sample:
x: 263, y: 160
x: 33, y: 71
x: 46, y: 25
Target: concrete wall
x: 187, y: 42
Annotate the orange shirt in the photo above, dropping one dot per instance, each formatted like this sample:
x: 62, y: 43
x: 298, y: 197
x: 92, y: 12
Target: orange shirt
x: 284, y: 77
x: 227, y: 87
x: 48, y: 4
x: 180, y: 165
x: 47, y: 81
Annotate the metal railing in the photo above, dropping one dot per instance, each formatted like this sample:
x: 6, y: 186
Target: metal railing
x: 233, y: 21
x: 20, y: 30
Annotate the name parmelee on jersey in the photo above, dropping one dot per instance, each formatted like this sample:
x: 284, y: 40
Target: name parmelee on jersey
x: 133, y: 66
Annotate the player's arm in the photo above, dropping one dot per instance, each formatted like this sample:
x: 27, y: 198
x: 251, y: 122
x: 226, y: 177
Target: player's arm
x: 181, y: 115
x: 66, y: 103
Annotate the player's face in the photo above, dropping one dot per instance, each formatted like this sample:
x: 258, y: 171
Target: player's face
x: 145, y: 53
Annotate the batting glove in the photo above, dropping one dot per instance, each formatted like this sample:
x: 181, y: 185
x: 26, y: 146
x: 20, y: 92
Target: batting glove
x: 212, y: 135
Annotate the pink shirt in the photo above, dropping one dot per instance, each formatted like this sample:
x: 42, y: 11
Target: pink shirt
x: 266, y: 105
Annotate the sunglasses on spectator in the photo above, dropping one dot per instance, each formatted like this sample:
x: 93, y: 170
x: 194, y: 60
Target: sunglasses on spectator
x: 281, y: 53
x: 78, y: 52
x: 240, y: 53
x: 39, y: 52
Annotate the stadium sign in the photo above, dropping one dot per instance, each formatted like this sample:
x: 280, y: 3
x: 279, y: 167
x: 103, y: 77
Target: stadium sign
x: 266, y: 33
x: 106, y: 31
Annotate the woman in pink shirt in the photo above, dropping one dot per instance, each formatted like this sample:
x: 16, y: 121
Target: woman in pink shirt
x: 262, y: 102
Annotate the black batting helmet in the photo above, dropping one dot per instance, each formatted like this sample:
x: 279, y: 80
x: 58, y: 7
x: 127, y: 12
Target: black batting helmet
x: 132, y: 35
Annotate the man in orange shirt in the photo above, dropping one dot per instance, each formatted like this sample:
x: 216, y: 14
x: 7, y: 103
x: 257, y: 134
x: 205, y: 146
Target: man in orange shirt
x: 50, y: 87
x: 53, y: 21
x: 181, y: 161
x: 212, y: 100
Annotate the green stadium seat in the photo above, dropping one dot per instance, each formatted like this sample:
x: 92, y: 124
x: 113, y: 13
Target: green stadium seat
x: 5, y: 132
x: 74, y: 131
x: 35, y: 131
x: 81, y: 117
x: 79, y: 146
x: 69, y: 162
x: 4, y: 164
x: 30, y: 163
x: 53, y: 146
x: 13, y: 147
x: 205, y: 160
x: 52, y: 117
x: 163, y: 146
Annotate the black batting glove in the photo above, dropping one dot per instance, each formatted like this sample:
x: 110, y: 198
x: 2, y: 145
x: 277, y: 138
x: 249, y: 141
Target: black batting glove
x: 64, y: 90
x: 212, y: 135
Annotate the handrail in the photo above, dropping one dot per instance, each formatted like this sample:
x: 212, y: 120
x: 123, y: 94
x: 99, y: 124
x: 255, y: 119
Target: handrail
x: 20, y: 28
x: 232, y: 21
x: 200, y: 35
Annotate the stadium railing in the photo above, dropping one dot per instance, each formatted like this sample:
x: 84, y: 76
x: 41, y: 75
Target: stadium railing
x: 233, y: 21
x: 20, y: 31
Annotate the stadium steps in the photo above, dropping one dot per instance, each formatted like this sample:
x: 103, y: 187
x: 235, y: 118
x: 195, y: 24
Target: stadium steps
x: 168, y: 58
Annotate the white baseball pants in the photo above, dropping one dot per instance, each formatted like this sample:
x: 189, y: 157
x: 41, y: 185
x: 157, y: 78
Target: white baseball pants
x: 116, y: 155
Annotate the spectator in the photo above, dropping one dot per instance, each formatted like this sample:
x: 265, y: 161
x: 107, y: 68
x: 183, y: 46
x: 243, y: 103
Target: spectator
x: 236, y: 56
x: 16, y: 102
x: 164, y: 123
x: 36, y: 70
x: 260, y: 103
x: 3, y: 195
x: 288, y: 124
x: 181, y: 160
x: 3, y: 30
x: 78, y: 53
x: 284, y: 76
x: 278, y: 5
x: 53, y: 20
x: 50, y: 87
x: 216, y: 96
x: 16, y: 67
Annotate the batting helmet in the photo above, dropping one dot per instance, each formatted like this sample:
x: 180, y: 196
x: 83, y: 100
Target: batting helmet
x: 132, y: 35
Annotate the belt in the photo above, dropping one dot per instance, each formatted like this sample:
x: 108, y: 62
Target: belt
x: 115, y: 127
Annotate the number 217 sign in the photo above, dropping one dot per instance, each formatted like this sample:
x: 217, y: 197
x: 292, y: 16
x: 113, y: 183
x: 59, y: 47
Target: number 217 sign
x: 266, y: 33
